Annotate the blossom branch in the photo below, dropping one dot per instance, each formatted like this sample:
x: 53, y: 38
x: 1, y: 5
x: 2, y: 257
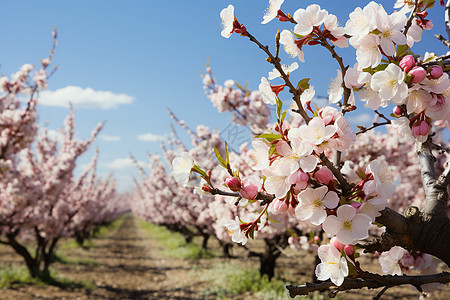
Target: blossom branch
x: 340, y: 61
x: 411, y: 17
x: 276, y: 63
x: 371, y: 281
x: 261, y: 196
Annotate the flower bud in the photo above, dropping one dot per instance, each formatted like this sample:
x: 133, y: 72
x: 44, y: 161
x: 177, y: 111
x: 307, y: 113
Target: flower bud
x: 407, y: 63
x: 421, y: 129
x: 233, y: 184
x: 418, y: 74
x: 324, y: 175
x: 278, y: 206
x: 398, y: 111
x: 349, y: 250
x: 249, y: 191
x: 436, y: 72
x: 338, y: 245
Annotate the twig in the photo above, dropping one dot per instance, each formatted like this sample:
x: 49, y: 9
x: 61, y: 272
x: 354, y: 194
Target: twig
x: 292, y: 89
x: 443, y: 40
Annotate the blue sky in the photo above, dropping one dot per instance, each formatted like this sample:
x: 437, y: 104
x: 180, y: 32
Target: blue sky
x: 146, y: 57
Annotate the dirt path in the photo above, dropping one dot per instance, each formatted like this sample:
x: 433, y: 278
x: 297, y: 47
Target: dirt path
x: 127, y: 266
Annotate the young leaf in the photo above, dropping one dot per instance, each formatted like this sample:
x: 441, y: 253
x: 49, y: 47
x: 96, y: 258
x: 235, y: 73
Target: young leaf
x: 279, y: 108
x: 304, y: 83
x: 222, y: 162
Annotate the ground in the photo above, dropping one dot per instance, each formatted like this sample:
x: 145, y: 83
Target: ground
x: 127, y: 263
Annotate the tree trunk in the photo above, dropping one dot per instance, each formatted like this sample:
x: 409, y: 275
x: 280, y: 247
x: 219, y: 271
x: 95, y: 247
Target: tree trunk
x: 205, y: 241
x: 31, y: 263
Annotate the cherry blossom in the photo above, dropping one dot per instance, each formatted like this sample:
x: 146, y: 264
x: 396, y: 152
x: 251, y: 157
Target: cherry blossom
x: 308, y: 18
x: 272, y: 11
x: 267, y: 93
x: 312, y: 203
x: 234, y: 229
x: 181, y: 168
x: 287, y: 39
x: 287, y: 70
x: 348, y: 226
x: 227, y: 16
x: 333, y: 266
x: 389, y: 83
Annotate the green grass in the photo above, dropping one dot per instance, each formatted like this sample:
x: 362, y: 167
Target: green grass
x: 18, y: 275
x: 173, y: 243
x: 228, y: 280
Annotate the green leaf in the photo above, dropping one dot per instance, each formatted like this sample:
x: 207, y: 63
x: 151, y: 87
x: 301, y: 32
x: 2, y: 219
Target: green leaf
x: 283, y: 116
x: 251, y: 233
x: 222, y: 162
x: 304, y: 84
x: 402, y: 50
x: 227, y: 153
x: 269, y: 136
x: 351, y: 269
x: 200, y: 171
x: 279, y: 108
x: 272, y: 149
x: 428, y: 3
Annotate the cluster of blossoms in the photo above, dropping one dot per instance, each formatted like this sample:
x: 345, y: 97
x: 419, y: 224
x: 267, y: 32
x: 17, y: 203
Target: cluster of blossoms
x: 298, y: 166
x: 248, y: 107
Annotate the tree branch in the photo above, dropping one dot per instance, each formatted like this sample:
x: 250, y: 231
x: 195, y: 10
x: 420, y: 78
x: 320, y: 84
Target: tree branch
x: 276, y: 62
x: 371, y: 281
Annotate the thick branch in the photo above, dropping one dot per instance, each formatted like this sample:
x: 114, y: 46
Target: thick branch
x: 370, y: 281
x: 436, y: 192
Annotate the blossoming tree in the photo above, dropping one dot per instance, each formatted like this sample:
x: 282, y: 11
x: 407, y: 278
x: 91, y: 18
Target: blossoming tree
x: 304, y: 168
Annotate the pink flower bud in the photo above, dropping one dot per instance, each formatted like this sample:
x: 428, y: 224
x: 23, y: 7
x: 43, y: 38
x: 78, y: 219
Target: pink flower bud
x: 338, y: 245
x: 398, y: 111
x: 249, y: 190
x: 316, y: 238
x: 279, y: 206
x: 436, y: 72
x: 349, y: 250
x: 300, y: 180
x: 324, y: 175
x: 233, y: 184
x: 418, y: 74
x: 407, y: 63
x: 421, y: 129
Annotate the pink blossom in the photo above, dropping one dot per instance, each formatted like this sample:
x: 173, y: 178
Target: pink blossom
x: 418, y: 74
x: 249, y: 190
x: 436, y: 72
x: 324, y: 175
x: 407, y: 63
x: 233, y: 184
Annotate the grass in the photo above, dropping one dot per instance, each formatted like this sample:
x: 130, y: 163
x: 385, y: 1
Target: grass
x: 18, y: 275
x: 173, y: 243
x: 228, y: 280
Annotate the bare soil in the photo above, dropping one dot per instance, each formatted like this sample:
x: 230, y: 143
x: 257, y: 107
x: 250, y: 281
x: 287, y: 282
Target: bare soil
x: 128, y: 264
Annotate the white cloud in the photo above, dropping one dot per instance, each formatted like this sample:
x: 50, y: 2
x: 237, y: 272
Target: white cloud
x: 109, y: 138
x: 83, y: 98
x: 150, y: 137
x: 122, y: 163
x: 361, y: 119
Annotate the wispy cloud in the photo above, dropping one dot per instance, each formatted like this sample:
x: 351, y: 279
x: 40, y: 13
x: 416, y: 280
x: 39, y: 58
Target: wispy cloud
x: 122, y: 163
x: 109, y: 138
x: 361, y: 119
x: 150, y: 137
x: 83, y: 98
